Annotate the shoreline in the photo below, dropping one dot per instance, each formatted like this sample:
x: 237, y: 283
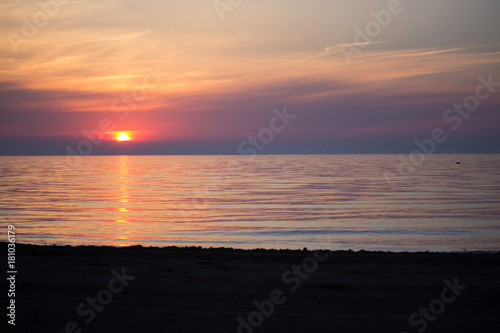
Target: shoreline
x: 199, y: 247
x: 194, y: 289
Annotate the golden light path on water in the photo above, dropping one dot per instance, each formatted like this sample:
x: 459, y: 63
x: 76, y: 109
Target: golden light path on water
x: 283, y: 201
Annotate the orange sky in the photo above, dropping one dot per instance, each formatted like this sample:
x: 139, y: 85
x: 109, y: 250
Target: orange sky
x: 172, y: 71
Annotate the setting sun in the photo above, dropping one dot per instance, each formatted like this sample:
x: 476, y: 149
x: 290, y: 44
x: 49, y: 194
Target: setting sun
x: 123, y: 136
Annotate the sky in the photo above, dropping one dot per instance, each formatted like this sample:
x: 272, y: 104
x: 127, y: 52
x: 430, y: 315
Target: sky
x: 229, y: 76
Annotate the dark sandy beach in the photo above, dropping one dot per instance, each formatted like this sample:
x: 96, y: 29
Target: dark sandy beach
x: 143, y: 289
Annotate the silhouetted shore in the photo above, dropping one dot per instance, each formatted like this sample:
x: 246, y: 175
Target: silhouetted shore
x: 190, y: 289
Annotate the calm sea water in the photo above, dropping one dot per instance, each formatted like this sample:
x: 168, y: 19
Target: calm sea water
x: 274, y: 201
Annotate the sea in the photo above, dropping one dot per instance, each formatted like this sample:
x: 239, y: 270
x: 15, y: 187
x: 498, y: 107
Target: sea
x: 339, y: 202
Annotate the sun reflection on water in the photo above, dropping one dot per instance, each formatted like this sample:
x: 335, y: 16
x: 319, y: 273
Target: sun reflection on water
x: 123, y: 199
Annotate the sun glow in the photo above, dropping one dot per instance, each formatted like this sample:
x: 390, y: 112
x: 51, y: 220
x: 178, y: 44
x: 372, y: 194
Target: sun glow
x: 123, y: 136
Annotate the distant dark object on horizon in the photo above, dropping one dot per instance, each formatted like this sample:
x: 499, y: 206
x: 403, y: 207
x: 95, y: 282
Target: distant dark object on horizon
x: 458, y: 163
